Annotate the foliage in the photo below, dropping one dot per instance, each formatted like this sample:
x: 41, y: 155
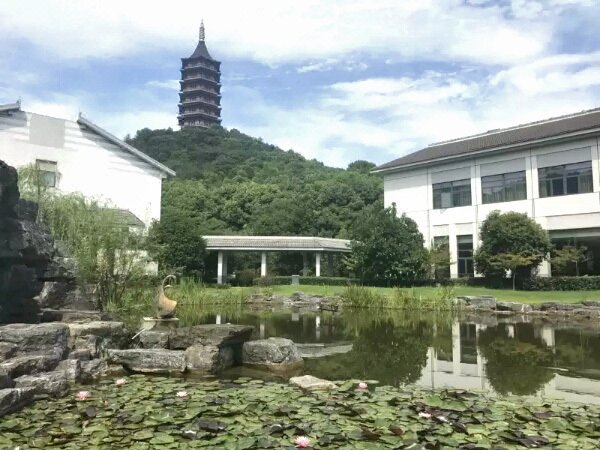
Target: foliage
x: 441, y: 299
x: 511, y: 262
x: 33, y: 187
x: 440, y: 261
x: 510, y: 233
x: 386, y: 249
x: 315, y: 281
x: 584, y: 283
x: 145, y: 412
x: 567, y: 256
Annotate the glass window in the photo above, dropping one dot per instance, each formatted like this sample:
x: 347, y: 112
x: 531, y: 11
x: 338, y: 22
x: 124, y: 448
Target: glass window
x: 506, y: 187
x: 451, y: 194
x: 465, y: 255
x: 566, y: 179
x: 442, y: 257
x: 47, y: 172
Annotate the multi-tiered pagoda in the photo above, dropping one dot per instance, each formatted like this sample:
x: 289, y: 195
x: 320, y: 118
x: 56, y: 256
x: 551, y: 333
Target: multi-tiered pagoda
x: 200, y: 95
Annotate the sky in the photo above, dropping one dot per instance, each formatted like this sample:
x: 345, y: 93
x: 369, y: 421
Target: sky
x: 335, y: 80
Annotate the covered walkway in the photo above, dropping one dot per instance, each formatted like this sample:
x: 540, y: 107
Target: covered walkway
x: 264, y: 244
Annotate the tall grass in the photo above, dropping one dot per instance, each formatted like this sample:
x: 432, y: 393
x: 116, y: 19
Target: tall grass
x: 442, y: 299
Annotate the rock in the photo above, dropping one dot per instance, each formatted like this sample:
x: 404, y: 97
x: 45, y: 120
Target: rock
x: 591, y: 303
x: 5, y: 380
x: 7, y: 350
x: 513, y: 307
x: 219, y: 335
x: 72, y: 315
x: 30, y: 364
x: 36, y: 337
x: 479, y: 302
x: 53, y: 383
x: 63, y: 294
x: 556, y: 306
x: 12, y: 400
x: 92, y: 370
x: 156, y: 360
x: 153, y: 339
x: 85, y: 347
x: 272, y: 353
x: 111, y: 334
x: 208, y: 358
x: 71, y: 368
x: 310, y: 383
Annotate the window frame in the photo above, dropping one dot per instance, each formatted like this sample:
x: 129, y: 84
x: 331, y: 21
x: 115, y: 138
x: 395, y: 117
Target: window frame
x: 41, y: 166
x: 562, y: 176
x: 467, y: 260
x: 504, y: 183
x: 455, y: 189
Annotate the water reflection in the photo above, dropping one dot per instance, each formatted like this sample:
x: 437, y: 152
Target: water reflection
x: 507, y: 356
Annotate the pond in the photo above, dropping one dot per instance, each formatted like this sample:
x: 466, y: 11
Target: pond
x: 499, y: 355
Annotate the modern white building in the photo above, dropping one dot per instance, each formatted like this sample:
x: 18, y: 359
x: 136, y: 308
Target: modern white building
x: 79, y: 156
x: 547, y: 169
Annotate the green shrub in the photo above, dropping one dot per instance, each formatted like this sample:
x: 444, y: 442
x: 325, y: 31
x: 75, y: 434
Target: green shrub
x: 585, y: 283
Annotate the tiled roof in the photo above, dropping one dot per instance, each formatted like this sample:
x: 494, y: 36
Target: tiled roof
x: 276, y: 243
x: 201, y: 51
x: 503, y: 139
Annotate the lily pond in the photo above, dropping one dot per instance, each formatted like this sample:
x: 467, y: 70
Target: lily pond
x: 434, y: 382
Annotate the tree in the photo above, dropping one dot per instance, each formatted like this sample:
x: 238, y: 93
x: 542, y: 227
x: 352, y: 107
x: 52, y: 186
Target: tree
x: 569, y: 254
x: 387, y: 249
x: 361, y: 166
x: 512, y: 234
x: 439, y: 259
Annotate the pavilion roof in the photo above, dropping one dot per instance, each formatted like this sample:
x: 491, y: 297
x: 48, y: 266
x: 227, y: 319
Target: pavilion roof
x: 277, y: 243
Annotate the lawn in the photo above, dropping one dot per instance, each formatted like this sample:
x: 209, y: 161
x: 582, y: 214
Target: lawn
x: 500, y: 294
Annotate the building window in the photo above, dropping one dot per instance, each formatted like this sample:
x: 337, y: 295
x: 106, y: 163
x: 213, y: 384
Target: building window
x: 506, y: 187
x: 451, y: 194
x: 47, y: 172
x: 465, y: 255
x: 440, y: 255
x: 566, y: 179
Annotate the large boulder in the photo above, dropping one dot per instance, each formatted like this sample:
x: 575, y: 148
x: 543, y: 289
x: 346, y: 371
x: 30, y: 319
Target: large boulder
x: 272, y: 353
x: 93, y: 369
x: 218, y: 335
x: 14, y: 399
x: 208, y: 358
x: 155, y: 360
x: 71, y: 368
x: 31, y: 363
x: 54, y: 384
x: 310, y: 383
x: 36, y: 337
x: 153, y: 339
x: 110, y: 334
x: 513, y: 307
x: 7, y: 350
x: 484, y: 302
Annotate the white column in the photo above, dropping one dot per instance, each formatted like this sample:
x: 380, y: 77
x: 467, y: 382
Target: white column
x: 220, y: 268
x: 544, y: 269
x: 453, y: 248
x: 548, y: 336
x: 456, y: 348
x: 318, y: 265
x: 218, y: 319
x: 263, y: 264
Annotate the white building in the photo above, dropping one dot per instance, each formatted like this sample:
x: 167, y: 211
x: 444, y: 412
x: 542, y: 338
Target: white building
x: 547, y: 169
x: 82, y: 157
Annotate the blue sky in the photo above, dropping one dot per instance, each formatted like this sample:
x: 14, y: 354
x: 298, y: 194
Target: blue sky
x: 334, y: 80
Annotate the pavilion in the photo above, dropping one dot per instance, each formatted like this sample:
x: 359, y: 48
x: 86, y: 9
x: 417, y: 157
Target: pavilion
x: 306, y: 245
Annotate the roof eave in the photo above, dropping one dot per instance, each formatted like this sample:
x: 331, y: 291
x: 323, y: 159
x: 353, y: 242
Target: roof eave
x: 11, y: 107
x: 124, y: 145
x: 511, y: 147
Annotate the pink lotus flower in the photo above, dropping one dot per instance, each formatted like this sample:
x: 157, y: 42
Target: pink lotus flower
x: 82, y: 395
x: 363, y: 386
x: 302, y: 442
x: 120, y: 382
x: 182, y: 394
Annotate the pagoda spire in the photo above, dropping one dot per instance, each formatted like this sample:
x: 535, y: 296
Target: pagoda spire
x: 202, y: 34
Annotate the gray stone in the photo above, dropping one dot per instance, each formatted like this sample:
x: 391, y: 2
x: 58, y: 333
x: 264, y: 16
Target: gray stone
x: 7, y: 350
x: 592, y: 303
x: 310, y: 383
x: 30, y: 364
x: 513, y: 307
x: 72, y: 315
x: 219, y: 335
x: 36, y: 337
x: 92, y: 370
x: 154, y: 339
x: 556, y: 306
x: 12, y: 400
x: 71, y: 368
x: 208, y: 358
x: 5, y: 380
x: 53, y: 383
x: 155, y: 360
x: 85, y: 347
x: 272, y: 353
x: 111, y: 334
x: 479, y: 302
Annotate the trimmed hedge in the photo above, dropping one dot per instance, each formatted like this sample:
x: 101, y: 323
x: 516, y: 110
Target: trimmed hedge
x: 586, y: 283
x: 314, y: 281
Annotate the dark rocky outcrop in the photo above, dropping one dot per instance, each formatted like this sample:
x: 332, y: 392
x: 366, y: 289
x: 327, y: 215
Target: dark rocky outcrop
x: 277, y: 354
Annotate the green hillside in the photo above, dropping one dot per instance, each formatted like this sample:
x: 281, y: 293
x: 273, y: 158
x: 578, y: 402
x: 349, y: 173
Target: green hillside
x: 228, y: 182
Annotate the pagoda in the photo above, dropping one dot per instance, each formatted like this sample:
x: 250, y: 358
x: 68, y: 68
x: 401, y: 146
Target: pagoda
x: 200, y: 94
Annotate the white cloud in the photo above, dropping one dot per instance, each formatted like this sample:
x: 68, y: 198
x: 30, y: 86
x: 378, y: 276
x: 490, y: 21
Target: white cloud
x: 276, y: 31
x: 164, y: 84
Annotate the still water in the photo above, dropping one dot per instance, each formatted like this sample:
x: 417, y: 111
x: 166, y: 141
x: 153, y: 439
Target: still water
x: 518, y: 356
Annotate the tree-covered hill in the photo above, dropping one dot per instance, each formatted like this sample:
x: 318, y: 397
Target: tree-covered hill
x: 228, y: 182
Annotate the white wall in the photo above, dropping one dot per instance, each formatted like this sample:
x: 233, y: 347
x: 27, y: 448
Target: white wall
x: 86, y: 162
x: 411, y: 191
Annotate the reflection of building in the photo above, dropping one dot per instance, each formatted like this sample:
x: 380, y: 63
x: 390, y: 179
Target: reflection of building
x: 467, y: 371
x: 200, y: 95
x: 79, y: 156
x: 548, y: 169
